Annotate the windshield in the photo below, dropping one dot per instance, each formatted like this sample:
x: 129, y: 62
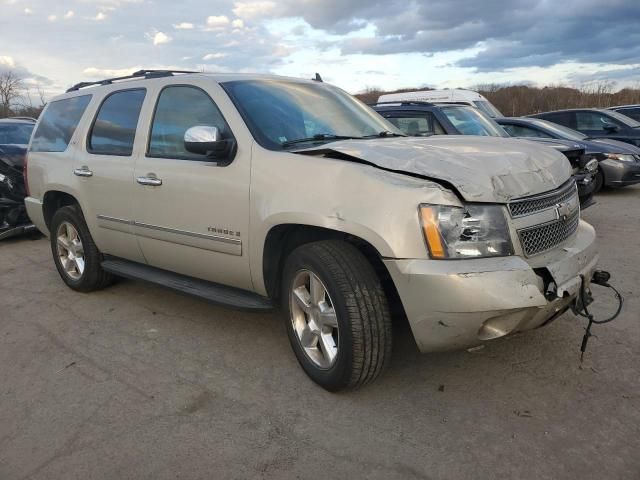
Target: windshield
x: 15, y: 133
x: 488, y: 108
x: 281, y: 113
x: 560, y: 130
x: 624, y: 119
x: 469, y: 121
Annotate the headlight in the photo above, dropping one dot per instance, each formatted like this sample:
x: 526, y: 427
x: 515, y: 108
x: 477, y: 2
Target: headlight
x: 592, y: 165
x: 623, y: 157
x: 471, y: 231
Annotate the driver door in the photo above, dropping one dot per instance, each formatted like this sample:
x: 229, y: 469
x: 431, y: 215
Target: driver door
x: 192, y: 211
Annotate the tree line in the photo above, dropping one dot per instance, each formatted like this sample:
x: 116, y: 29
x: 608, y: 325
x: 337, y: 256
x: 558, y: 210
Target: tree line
x: 17, y: 99
x: 517, y: 100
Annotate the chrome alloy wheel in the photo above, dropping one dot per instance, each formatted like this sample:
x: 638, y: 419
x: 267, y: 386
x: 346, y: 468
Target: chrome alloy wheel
x: 314, y: 319
x: 70, y: 250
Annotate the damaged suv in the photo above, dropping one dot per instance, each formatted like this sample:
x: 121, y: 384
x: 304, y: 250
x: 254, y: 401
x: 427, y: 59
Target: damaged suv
x: 257, y: 191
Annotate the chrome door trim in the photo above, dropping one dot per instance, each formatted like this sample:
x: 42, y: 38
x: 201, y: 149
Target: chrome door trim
x: 115, y: 219
x: 216, y: 243
x: 216, y: 238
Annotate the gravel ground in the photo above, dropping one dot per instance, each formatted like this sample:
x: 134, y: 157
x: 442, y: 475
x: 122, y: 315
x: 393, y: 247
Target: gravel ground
x: 139, y: 382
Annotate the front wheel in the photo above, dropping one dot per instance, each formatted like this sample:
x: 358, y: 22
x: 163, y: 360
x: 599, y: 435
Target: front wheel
x: 337, y: 315
x: 599, y: 180
x: 76, y: 256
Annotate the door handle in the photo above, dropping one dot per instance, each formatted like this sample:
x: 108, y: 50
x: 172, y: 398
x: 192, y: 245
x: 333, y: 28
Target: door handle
x: 83, y: 171
x: 150, y: 180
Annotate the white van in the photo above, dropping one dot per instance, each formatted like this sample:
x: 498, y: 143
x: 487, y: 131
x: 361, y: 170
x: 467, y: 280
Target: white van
x: 456, y: 95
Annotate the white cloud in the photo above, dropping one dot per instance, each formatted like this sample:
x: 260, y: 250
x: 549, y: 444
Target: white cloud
x: 99, y: 17
x: 219, y: 21
x: 28, y: 11
x: 158, y: 38
x: 237, y: 23
x: 183, y: 26
x: 7, y: 61
x: 251, y: 10
x: 69, y: 14
x: 214, y: 56
x: 52, y: 18
x: 93, y: 72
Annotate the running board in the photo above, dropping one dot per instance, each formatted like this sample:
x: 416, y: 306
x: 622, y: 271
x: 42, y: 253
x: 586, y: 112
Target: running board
x: 212, y: 292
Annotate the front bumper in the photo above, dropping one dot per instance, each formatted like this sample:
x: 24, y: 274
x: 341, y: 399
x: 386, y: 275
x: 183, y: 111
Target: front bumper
x: 619, y: 174
x: 454, y: 304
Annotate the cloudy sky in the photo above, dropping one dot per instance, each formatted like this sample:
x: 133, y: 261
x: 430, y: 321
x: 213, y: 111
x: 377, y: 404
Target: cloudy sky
x: 355, y: 44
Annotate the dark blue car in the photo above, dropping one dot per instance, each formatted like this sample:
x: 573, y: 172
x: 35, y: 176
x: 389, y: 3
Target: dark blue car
x: 618, y: 162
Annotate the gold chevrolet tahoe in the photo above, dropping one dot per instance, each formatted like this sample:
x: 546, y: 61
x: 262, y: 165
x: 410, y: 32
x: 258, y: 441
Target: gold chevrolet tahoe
x: 258, y: 191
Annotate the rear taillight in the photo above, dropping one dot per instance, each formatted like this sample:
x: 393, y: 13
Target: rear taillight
x: 24, y: 174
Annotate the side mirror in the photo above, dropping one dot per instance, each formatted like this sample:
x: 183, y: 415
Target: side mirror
x: 206, y: 140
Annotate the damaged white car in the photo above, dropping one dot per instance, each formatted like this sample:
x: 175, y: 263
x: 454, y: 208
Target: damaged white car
x: 257, y: 191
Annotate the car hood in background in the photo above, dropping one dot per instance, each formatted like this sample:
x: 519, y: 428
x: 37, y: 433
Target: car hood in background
x: 482, y: 169
x: 609, y: 145
x: 558, y: 144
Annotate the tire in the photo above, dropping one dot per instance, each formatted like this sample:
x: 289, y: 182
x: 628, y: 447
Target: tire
x: 353, y: 291
x: 91, y: 276
x: 599, y: 181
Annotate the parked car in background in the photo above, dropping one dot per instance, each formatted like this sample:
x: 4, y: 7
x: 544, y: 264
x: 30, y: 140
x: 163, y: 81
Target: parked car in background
x: 596, y: 123
x: 631, y: 111
x: 453, y: 95
x: 618, y: 162
x: 14, y: 138
x: 424, y: 119
x: 255, y: 191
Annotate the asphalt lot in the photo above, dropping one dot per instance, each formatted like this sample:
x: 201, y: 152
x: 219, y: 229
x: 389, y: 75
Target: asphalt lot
x: 139, y: 382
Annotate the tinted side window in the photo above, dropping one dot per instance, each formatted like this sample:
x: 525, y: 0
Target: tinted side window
x: 58, y: 123
x: 114, y: 128
x: 522, y: 131
x: 594, y: 121
x: 414, y: 125
x: 563, y: 118
x: 631, y: 112
x: 178, y: 109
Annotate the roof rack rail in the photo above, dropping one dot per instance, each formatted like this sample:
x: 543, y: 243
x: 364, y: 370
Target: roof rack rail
x: 403, y: 102
x: 138, y: 74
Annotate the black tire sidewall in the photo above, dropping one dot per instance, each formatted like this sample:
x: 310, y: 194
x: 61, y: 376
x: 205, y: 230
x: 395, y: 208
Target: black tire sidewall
x: 339, y: 374
x: 92, y: 258
x: 599, y: 181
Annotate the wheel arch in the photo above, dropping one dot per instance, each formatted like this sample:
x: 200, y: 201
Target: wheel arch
x: 282, y: 239
x: 52, y: 201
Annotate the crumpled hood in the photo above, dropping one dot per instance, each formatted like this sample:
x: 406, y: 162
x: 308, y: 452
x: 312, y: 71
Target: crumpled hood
x: 482, y: 169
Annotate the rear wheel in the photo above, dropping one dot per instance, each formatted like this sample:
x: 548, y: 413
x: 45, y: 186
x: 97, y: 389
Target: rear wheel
x: 337, y: 315
x: 75, y: 254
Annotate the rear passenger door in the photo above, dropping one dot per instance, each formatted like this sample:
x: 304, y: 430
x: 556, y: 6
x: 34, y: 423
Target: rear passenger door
x: 191, y: 211
x: 104, y: 169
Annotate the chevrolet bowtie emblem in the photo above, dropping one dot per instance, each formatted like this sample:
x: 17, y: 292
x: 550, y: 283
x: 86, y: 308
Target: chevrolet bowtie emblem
x: 565, y: 209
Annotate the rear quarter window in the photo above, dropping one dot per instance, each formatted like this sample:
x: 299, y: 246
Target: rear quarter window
x: 58, y: 123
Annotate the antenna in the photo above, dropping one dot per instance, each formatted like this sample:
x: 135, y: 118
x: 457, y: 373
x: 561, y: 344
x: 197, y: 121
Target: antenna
x: 318, y: 78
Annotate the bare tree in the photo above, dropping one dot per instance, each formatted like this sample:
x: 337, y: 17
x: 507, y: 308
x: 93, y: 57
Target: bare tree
x: 11, y: 88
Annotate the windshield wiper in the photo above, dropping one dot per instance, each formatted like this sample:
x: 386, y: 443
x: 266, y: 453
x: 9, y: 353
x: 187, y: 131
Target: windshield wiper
x: 385, y: 134
x: 318, y: 138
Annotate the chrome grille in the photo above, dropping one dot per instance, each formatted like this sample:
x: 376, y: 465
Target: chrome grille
x: 541, y: 238
x: 527, y: 206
